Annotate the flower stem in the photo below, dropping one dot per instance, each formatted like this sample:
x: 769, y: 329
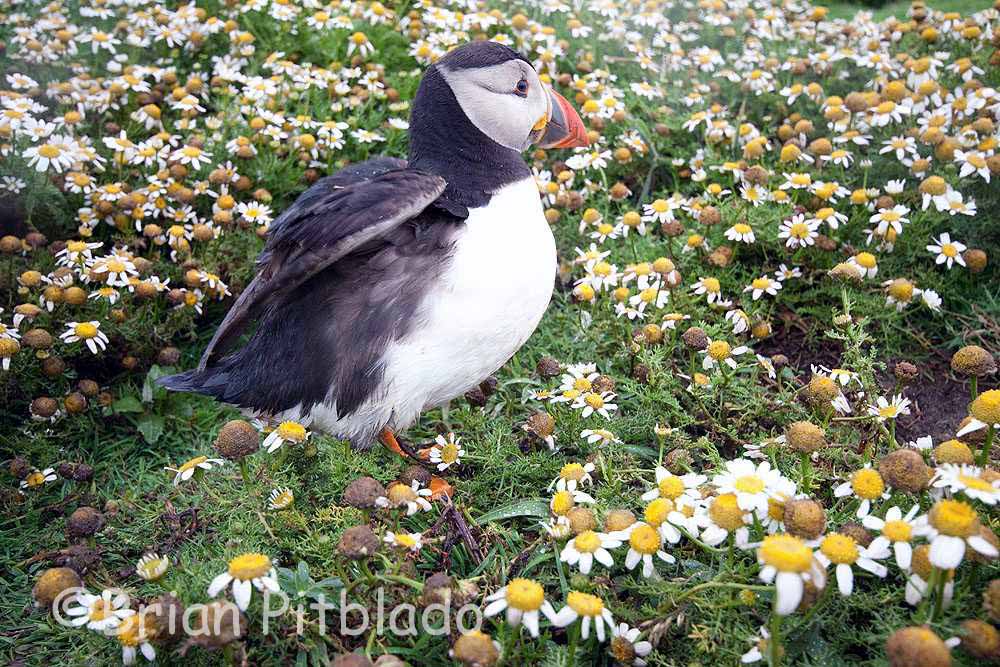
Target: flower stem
x: 774, y: 642
x: 984, y: 453
x: 245, y: 471
x: 574, y: 633
x: 973, y: 387
x: 806, y: 471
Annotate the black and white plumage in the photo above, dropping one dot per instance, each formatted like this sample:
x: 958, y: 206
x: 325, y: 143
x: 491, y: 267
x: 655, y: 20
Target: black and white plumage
x: 392, y: 287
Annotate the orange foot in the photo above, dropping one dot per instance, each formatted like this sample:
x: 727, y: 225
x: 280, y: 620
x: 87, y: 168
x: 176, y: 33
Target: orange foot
x: 388, y: 439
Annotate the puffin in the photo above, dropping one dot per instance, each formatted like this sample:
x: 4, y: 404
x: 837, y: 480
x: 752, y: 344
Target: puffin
x: 393, y: 286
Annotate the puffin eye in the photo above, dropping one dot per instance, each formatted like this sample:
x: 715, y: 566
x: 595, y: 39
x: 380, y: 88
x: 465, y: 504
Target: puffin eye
x: 521, y: 89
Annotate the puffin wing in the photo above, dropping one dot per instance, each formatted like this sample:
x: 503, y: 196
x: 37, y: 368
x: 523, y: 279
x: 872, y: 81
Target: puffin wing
x: 326, y: 223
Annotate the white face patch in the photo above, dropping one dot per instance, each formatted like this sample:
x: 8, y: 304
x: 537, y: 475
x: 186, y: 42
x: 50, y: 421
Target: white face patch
x: 488, y: 97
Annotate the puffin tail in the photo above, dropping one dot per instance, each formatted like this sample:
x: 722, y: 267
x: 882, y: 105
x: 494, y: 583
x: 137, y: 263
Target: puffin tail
x: 211, y: 382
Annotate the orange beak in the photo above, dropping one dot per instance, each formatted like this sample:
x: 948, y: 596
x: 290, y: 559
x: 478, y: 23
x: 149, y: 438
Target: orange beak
x: 564, y: 128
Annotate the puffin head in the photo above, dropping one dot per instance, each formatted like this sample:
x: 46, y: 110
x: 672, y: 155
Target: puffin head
x: 501, y: 95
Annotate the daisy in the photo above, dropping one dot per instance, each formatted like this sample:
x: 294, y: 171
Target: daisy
x: 720, y: 352
x: 100, y: 612
x: 599, y: 437
x: 565, y: 498
x: 950, y: 526
x: 411, y: 541
x: 751, y: 483
x: 919, y: 576
x: 412, y: 497
x: 710, y: 287
x: 967, y: 480
x: 798, y: 232
x: 624, y: 647
x: 867, y: 486
x: 866, y: 262
x: 843, y: 552
x: 187, y: 469
x: 152, y: 566
x: 672, y: 487
x: 721, y: 517
x: 645, y: 541
x: 761, y: 286
x: 741, y: 232
x: 134, y: 639
x: 787, y: 273
x: 36, y: 478
x: 883, y: 410
x: 446, y: 452
x: 89, y: 332
x: 287, y: 431
x: 280, y: 498
x: 591, y: 402
x: 947, y: 251
x: 246, y: 572
x: 575, y: 474
x: 588, y: 607
x: 523, y: 599
x: 893, y: 218
x: 587, y: 547
x: 759, y: 650
x: 896, y: 529
x: 788, y: 563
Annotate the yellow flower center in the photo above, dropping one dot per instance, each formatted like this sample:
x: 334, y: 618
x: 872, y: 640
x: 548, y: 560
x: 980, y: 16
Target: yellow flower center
x: 644, y: 539
x: 657, y: 511
x: 725, y: 512
x: 955, y: 518
x: 786, y: 553
x: 976, y: 483
x: 400, y: 493
x: 802, y: 179
x: 128, y: 632
x: 525, y: 595
x: 761, y: 283
x: 115, y: 266
x: 867, y: 484
x: 85, y: 330
x: 249, y: 566
x: 799, y: 230
x: 582, y: 384
x: 406, y: 540
x: 292, y: 431
x: 585, y: 604
x: 840, y: 549
x: 866, y: 259
x: 573, y: 471
x: 49, y: 151
x: 191, y: 151
x: 986, y: 407
x: 99, y: 610
x: 897, y: 531
x: 594, y: 400
x: 711, y: 284
x: 719, y: 350
x: 562, y: 502
x: 193, y: 463
x: 587, y: 542
x: 742, y: 229
x: 660, y: 205
x: 695, y: 240
x: 888, y: 412
x: 749, y: 484
x: 671, y: 486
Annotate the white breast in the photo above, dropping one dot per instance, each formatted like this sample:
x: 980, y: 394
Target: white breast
x: 475, y: 316
x: 482, y: 310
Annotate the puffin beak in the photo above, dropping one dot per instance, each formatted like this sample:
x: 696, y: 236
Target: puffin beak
x: 564, y: 128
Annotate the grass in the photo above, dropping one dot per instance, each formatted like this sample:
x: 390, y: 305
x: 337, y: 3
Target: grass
x: 706, y: 608
x: 846, y: 10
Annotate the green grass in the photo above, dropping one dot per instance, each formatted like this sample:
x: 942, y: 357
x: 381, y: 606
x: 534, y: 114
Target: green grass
x: 706, y: 608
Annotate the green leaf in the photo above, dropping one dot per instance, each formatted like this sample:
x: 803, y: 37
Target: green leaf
x: 127, y: 403
x: 533, y: 507
x: 644, y: 452
x: 151, y: 427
